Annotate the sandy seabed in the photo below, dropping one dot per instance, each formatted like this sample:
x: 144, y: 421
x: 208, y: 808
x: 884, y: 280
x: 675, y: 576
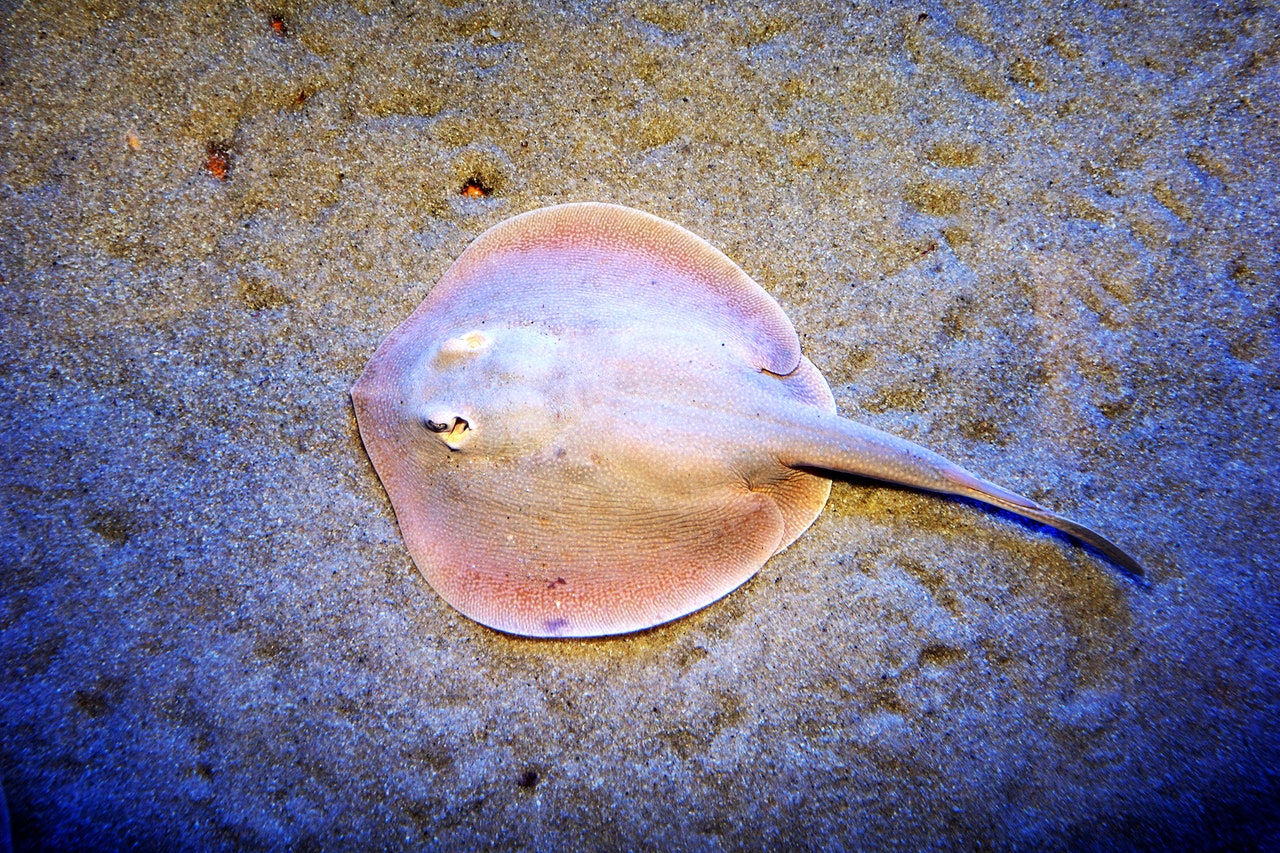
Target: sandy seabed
x: 1041, y: 242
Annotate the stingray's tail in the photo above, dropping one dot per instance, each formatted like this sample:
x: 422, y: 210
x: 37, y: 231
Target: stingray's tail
x: 838, y: 444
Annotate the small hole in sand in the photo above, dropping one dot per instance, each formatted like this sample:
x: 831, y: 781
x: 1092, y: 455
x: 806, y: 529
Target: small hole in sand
x: 218, y: 160
x: 479, y: 173
x: 475, y: 187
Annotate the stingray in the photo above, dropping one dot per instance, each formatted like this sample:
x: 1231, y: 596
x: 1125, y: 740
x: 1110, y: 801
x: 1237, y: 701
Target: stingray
x: 596, y: 422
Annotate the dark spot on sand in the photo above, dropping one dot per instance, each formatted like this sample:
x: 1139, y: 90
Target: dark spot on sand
x: 112, y: 525
x: 93, y: 702
x: 953, y: 155
x: 1025, y: 71
x: 257, y: 295
x: 270, y: 648
x: 941, y: 655
x: 935, y: 198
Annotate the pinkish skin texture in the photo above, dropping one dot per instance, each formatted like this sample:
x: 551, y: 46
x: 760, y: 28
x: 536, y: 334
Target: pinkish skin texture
x: 596, y: 423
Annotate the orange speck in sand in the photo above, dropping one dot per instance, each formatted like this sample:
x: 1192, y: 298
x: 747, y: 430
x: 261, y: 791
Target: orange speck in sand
x: 218, y: 163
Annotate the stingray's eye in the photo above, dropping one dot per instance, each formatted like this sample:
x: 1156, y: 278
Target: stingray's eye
x: 453, y: 431
x: 458, y: 434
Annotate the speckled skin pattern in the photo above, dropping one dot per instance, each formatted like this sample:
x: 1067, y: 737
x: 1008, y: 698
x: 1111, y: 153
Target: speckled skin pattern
x: 597, y: 422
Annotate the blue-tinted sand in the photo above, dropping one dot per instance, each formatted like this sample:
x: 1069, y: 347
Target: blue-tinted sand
x: 1040, y: 242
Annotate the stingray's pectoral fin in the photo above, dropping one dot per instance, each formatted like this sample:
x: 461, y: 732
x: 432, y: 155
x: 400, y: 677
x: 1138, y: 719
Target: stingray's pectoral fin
x: 848, y: 447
